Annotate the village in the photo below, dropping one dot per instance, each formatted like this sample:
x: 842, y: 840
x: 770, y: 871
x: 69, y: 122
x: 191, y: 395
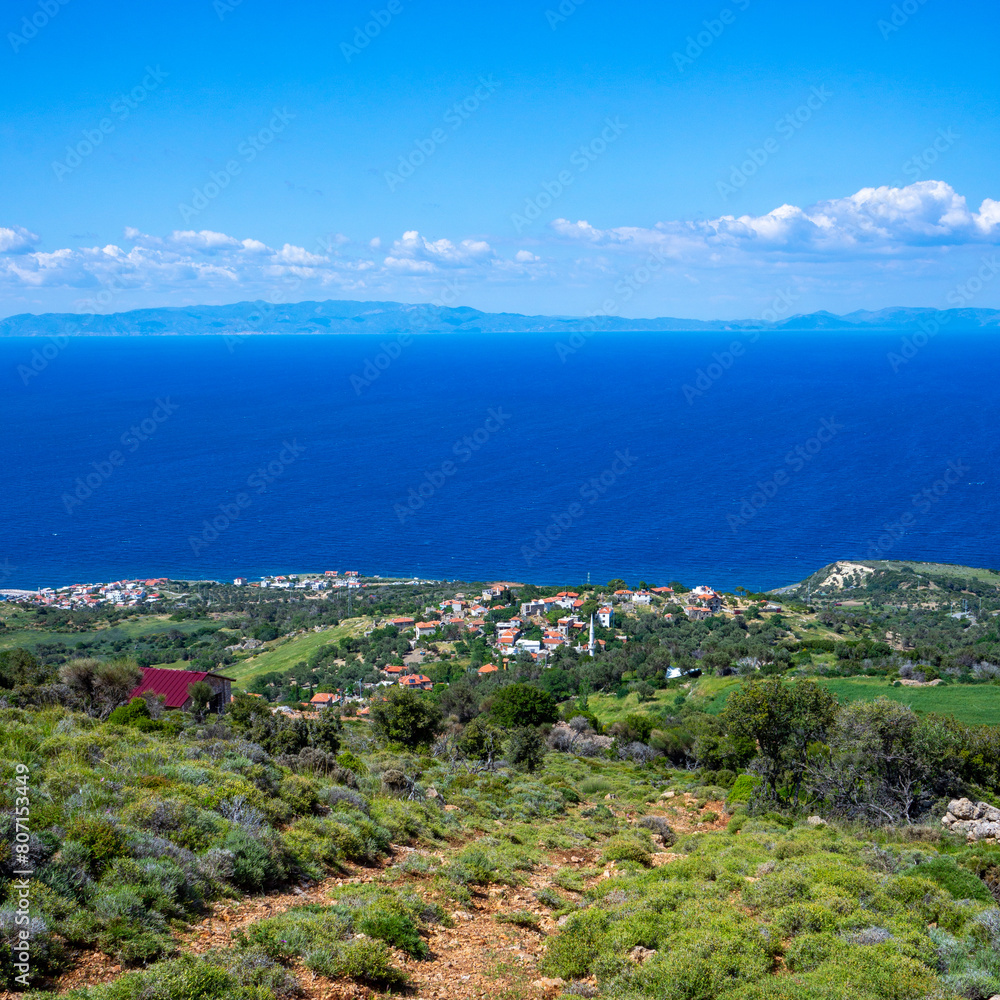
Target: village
x: 510, y: 637
x: 532, y: 630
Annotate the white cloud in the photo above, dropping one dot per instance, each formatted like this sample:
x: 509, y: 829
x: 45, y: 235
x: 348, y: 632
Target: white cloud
x: 880, y: 220
x: 868, y: 243
x: 412, y: 251
x: 16, y: 240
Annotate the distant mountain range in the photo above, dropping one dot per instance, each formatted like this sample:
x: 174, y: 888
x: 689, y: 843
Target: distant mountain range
x: 343, y: 316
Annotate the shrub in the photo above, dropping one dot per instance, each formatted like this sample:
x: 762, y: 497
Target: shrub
x: 255, y: 865
x: 100, y: 838
x: 960, y: 882
x: 320, y: 937
x: 130, y: 714
x: 743, y: 787
x: 551, y: 899
x: 571, y: 954
x: 808, y: 951
x: 406, y: 718
x: 624, y: 847
x: 526, y: 749
x: 484, y: 864
x: 228, y: 975
x: 520, y: 918
x: 660, y: 828
x: 523, y: 705
x: 367, y: 962
x: 337, y: 795
x: 299, y: 793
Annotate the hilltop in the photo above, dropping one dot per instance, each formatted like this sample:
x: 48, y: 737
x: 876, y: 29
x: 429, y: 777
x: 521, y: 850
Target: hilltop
x: 931, y: 585
x: 382, y: 318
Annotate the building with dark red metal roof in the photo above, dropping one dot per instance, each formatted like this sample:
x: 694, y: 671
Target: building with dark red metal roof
x: 173, y: 686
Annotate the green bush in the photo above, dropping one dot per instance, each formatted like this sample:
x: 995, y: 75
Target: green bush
x: 130, y: 714
x: 520, y: 918
x: 368, y: 962
x: 101, y: 838
x: 523, y: 705
x: 321, y: 937
x: 486, y: 863
x: 947, y: 873
x: 241, y: 975
x: 743, y: 787
x: 628, y: 847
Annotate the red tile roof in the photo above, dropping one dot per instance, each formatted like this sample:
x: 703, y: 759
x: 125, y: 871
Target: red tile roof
x: 414, y: 679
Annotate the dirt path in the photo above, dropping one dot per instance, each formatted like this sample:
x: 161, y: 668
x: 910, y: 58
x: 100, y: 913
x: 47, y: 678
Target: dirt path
x: 479, y: 957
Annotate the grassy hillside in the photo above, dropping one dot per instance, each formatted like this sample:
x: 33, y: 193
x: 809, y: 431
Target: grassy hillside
x: 186, y: 870
x: 282, y: 654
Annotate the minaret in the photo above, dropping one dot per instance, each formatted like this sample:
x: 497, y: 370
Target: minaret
x: 591, y: 646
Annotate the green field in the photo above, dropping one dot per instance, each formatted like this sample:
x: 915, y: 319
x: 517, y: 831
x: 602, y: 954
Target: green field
x: 28, y: 638
x: 977, y: 704
x: 283, y: 654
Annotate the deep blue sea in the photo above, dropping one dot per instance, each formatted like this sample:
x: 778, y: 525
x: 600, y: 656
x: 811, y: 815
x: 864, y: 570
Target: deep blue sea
x: 481, y: 457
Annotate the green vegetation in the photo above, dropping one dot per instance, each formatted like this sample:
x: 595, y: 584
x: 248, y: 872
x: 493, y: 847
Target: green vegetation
x: 777, y: 912
x: 743, y: 807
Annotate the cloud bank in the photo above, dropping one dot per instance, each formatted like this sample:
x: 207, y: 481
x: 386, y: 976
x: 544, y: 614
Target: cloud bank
x: 834, y: 246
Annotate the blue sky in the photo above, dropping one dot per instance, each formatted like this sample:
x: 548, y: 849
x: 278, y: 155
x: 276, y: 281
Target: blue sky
x: 706, y: 159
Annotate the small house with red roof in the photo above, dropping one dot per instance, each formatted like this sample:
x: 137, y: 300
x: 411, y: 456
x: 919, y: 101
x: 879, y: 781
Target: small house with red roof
x: 419, y: 682
x: 173, y: 686
x: 324, y: 699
